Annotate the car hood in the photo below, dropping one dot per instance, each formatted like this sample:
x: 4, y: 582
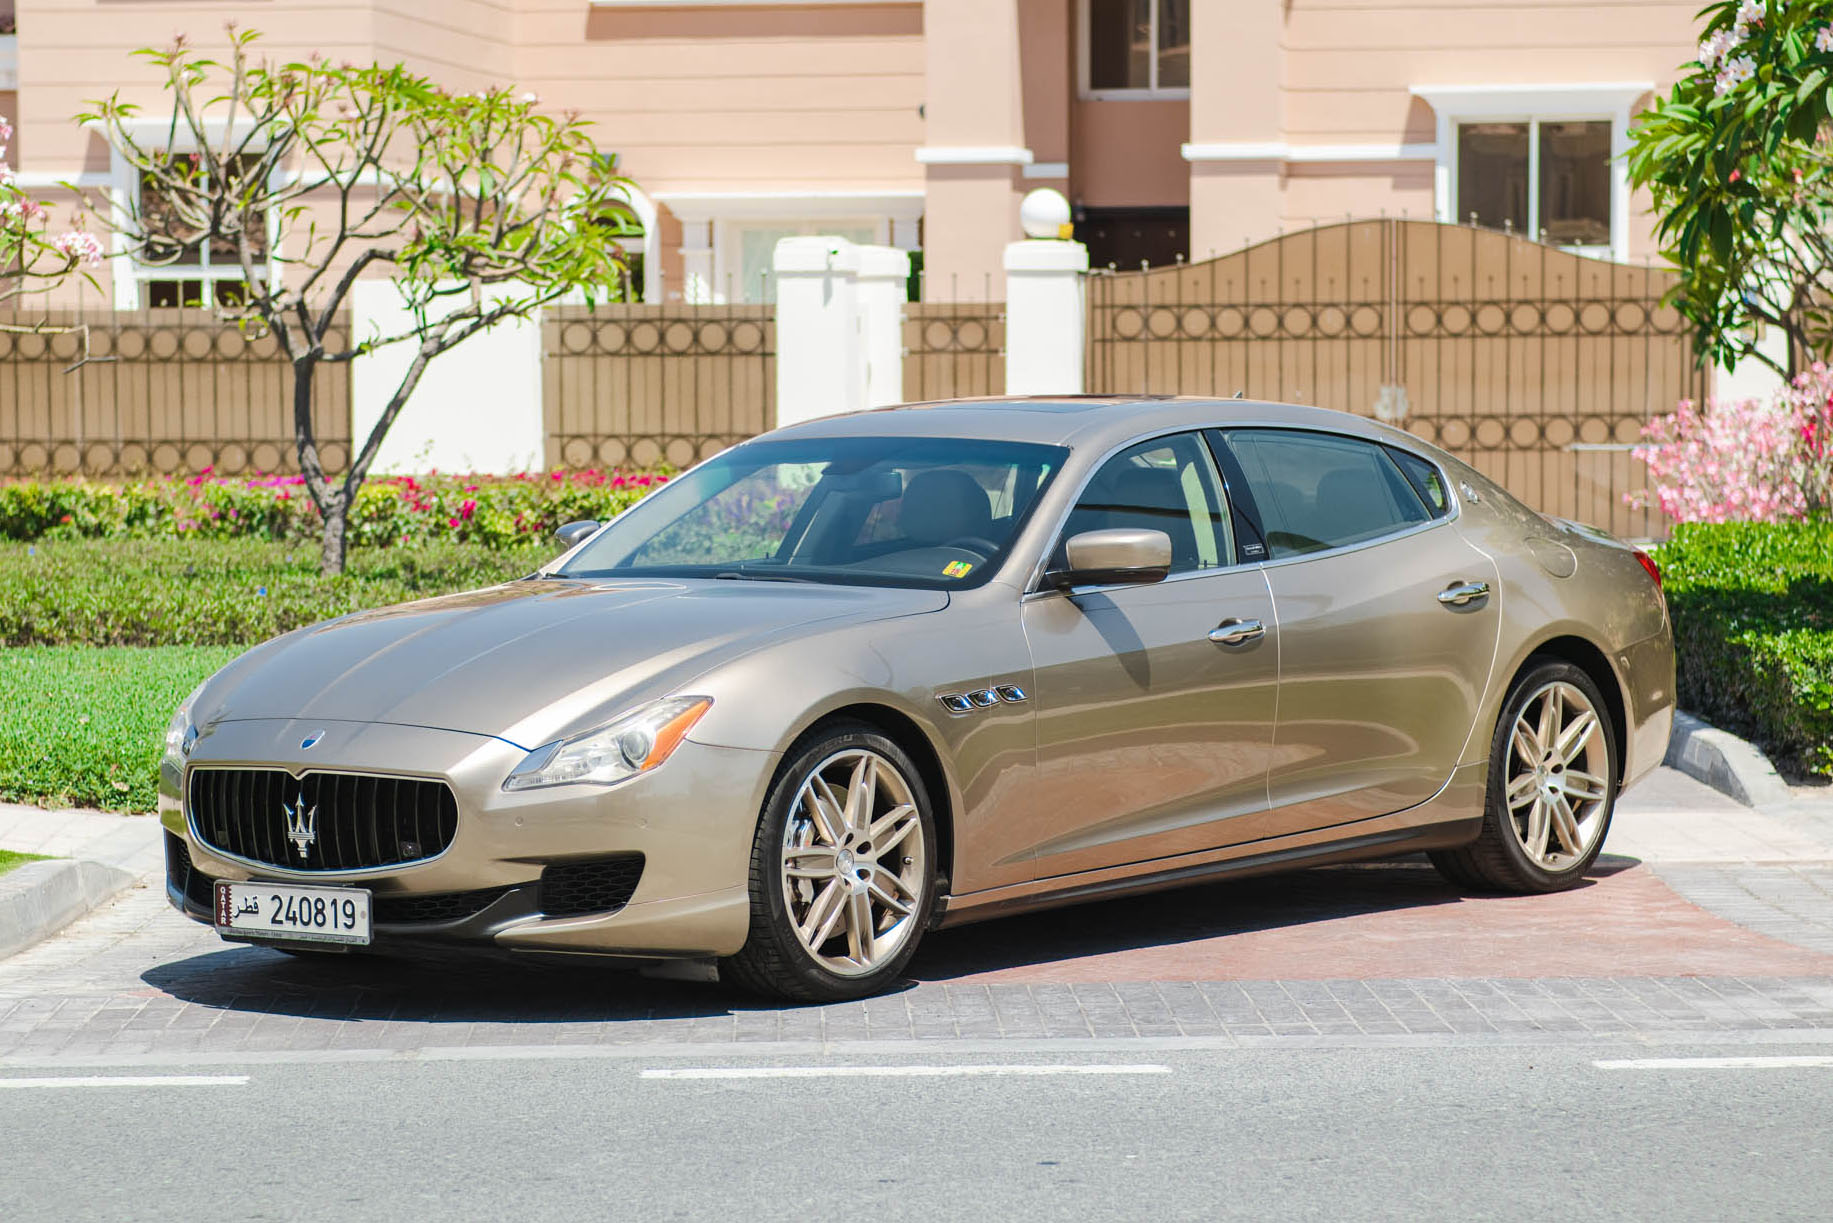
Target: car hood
x: 534, y: 660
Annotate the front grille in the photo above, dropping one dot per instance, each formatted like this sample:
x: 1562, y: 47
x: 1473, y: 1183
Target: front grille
x: 342, y: 821
x: 603, y: 885
x: 437, y: 907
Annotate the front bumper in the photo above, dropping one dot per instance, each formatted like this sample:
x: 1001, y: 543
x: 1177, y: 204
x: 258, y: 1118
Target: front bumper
x: 688, y: 825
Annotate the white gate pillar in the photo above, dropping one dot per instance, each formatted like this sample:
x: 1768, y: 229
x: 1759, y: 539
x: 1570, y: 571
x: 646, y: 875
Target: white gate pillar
x: 1045, y: 317
x: 884, y: 287
x: 820, y: 362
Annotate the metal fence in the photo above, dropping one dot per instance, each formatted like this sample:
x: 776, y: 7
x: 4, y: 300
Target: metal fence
x: 1536, y: 366
x: 640, y: 384
x: 108, y: 392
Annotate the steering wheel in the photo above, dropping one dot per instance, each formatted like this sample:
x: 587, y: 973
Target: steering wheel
x: 973, y: 543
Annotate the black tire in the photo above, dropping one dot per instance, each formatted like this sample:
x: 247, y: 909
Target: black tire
x: 774, y: 960
x: 1498, y: 860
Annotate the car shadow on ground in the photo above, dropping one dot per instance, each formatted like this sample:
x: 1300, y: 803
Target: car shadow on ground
x: 473, y: 988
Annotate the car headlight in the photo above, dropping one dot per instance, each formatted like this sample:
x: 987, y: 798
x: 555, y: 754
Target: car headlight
x: 181, y: 733
x: 635, y: 743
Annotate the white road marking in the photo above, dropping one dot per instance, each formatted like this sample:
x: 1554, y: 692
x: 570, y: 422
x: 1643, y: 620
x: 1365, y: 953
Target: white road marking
x: 887, y: 1072
x: 133, y: 1080
x: 1714, y: 1063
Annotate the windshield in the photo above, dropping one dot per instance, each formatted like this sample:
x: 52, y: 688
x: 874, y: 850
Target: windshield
x: 929, y: 512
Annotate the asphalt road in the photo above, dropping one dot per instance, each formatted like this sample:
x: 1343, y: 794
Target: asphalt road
x: 1344, y: 1133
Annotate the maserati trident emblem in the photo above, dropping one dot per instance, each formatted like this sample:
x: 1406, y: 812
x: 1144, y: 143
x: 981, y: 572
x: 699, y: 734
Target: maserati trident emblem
x: 301, y: 825
x: 307, y: 743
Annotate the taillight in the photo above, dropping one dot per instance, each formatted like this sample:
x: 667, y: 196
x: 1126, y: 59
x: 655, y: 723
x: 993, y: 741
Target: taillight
x: 1648, y: 563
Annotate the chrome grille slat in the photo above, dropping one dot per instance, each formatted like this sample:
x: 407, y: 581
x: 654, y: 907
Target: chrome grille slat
x: 362, y: 820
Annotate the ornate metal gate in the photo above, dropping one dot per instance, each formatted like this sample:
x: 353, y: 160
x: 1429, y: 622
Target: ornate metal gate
x: 1536, y: 366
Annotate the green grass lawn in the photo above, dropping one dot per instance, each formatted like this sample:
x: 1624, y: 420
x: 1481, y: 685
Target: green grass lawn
x: 83, y: 724
x: 9, y: 859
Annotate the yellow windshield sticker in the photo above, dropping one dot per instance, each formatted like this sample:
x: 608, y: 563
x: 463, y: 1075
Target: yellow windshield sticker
x: 957, y: 569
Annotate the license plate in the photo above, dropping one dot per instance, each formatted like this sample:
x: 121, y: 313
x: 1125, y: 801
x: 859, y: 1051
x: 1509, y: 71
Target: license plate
x: 282, y: 911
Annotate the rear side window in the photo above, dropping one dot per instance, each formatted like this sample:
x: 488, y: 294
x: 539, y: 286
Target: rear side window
x: 1317, y: 490
x: 1427, y: 480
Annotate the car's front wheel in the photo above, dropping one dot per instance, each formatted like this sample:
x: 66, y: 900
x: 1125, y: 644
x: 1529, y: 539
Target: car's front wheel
x: 843, y: 874
x: 1553, y: 772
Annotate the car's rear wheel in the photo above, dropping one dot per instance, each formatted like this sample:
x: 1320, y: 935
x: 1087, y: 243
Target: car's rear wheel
x: 842, y: 870
x: 1553, y: 773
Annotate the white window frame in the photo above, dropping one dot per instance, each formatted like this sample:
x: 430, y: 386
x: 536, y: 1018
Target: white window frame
x: 1536, y: 104
x: 1089, y: 93
x: 709, y: 244
x: 130, y: 275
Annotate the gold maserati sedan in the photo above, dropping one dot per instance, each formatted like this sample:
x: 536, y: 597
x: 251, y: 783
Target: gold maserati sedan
x: 878, y: 673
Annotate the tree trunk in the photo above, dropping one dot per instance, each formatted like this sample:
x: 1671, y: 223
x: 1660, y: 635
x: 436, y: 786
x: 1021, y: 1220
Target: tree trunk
x: 336, y: 513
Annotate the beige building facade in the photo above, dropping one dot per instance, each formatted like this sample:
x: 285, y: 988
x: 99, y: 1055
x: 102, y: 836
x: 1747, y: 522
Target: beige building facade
x: 1176, y: 128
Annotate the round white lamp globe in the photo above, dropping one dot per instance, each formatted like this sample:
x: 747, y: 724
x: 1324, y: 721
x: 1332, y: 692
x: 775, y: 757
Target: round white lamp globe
x: 1043, y: 214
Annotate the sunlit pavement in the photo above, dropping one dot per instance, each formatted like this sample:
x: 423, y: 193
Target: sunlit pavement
x: 1705, y: 917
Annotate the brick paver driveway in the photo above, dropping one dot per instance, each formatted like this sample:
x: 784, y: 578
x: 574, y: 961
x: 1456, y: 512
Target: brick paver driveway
x: 1710, y: 920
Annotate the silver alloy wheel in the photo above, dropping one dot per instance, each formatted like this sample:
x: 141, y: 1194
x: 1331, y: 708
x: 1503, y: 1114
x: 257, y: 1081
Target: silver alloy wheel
x: 854, y: 862
x: 1558, y: 776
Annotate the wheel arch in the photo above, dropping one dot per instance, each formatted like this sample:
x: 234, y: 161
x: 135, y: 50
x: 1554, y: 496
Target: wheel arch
x: 904, y: 731
x: 1588, y: 657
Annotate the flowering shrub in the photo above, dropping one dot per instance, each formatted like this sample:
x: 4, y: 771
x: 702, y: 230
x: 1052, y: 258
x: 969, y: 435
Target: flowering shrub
x: 30, y: 261
x: 496, y: 511
x: 1744, y: 460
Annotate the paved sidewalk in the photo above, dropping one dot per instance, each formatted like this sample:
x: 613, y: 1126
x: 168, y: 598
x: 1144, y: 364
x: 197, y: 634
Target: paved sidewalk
x: 126, y: 842
x: 1706, y: 920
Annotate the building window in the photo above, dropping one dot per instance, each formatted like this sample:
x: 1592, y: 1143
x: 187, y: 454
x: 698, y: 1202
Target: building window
x: 180, y: 268
x: 1542, y: 178
x: 1127, y: 238
x: 1136, y: 48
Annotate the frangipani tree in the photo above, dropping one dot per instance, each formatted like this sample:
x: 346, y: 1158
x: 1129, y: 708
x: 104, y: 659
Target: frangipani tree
x: 309, y: 175
x: 32, y: 260
x: 1739, y: 160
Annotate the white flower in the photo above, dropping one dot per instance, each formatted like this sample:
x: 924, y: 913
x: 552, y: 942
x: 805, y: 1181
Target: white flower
x: 530, y: 97
x: 1737, y: 70
x: 1823, y: 41
x: 1749, y: 13
x: 1714, y: 47
x: 84, y: 248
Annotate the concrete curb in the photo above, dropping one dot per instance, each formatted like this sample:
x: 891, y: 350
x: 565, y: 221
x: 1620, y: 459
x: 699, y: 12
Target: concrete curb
x: 41, y: 898
x: 1725, y: 762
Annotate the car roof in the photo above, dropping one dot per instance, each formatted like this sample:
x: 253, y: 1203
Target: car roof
x: 1079, y: 421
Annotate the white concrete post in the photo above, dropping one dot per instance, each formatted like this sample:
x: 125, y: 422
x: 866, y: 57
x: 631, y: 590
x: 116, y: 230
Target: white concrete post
x: 820, y: 360
x: 477, y: 408
x: 884, y: 287
x: 1045, y: 317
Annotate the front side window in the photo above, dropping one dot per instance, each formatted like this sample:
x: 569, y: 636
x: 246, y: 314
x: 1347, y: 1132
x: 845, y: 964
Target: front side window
x: 1542, y: 179
x: 1138, y: 46
x: 1317, y: 490
x: 1167, y: 484
x: 937, y: 513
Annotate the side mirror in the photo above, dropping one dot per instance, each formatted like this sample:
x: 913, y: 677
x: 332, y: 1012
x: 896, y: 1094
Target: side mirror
x: 1124, y: 554
x: 573, y: 532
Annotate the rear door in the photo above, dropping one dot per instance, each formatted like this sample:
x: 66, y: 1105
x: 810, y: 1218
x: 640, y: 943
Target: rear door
x: 1388, y: 622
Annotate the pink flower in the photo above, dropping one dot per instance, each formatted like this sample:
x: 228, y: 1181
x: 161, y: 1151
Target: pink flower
x: 83, y: 248
x: 467, y: 509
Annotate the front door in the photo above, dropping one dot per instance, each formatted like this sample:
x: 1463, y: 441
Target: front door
x: 1154, y: 703
x: 1383, y: 662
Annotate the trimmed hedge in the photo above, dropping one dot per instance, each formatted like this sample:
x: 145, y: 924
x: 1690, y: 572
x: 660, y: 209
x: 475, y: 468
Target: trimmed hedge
x: 1752, y: 605
x: 497, y: 511
x: 220, y: 592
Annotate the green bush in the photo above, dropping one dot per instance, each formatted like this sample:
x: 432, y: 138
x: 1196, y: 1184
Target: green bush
x: 220, y: 592
x: 1752, y: 605
x: 497, y: 511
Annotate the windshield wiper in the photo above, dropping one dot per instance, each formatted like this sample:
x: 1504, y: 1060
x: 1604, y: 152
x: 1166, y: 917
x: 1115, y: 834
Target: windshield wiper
x: 735, y: 575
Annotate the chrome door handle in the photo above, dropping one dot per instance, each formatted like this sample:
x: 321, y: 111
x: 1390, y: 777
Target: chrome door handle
x: 1462, y: 593
x: 1235, y: 632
